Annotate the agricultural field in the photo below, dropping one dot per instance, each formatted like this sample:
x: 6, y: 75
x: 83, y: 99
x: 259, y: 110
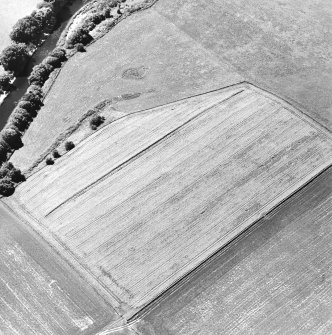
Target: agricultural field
x: 10, y: 12
x: 39, y: 294
x: 275, y: 279
x: 149, y: 197
x: 283, y: 45
x: 132, y: 66
x: 180, y: 48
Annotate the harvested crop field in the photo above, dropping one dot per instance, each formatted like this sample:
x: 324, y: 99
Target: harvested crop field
x: 149, y: 197
x: 274, y: 280
x: 39, y: 294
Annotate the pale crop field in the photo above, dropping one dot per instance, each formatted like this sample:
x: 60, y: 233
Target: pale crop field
x: 31, y: 302
x: 276, y: 279
x: 152, y: 195
x: 39, y: 293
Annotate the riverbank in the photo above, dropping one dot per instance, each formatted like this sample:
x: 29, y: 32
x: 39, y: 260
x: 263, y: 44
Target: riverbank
x: 10, y: 101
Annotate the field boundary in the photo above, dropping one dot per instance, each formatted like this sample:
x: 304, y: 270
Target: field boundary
x: 147, y: 308
x: 31, y: 170
x: 289, y: 105
x: 31, y: 222
x: 129, y: 312
x: 137, y: 155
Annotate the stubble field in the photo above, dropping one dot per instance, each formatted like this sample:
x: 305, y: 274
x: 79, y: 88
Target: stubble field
x: 39, y: 294
x: 149, y: 197
x: 275, y: 279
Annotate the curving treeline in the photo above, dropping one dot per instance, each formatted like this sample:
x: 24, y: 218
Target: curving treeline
x: 26, y: 35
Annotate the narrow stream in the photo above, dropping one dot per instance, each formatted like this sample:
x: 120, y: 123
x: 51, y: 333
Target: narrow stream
x: 21, y: 83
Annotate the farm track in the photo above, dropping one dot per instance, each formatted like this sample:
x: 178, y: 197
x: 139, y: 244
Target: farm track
x: 241, y: 131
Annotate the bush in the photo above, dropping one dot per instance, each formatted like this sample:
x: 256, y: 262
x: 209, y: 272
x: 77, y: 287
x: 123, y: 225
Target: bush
x: 80, y: 47
x: 16, y: 175
x: 6, y: 187
x: 108, y: 13
x: 97, y: 18
x: 53, y: 61
x: 96, y: 121
x: 88, y: 25
x: 22, y: 113
x: 40, y: 74
x: 80, y: 36
x: 49, y: 161
x: 35, y: 90
x: 69, y: 145
x: 12, y: 137
x: 4, y: 149
x: 5, y: 169
x: 56, y: 154
x: 54, y: 5
x: 33, y: 98
x: 28, y: 106
x: 58, y: 53
x: 19, y: 122
x: 46, y: 17
x: 26, y: 30
x: 5, y: 84
x: 9, y: 172
x: 14, y: 58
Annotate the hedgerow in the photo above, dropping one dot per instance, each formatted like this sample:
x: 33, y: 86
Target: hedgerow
x: 40, y: 74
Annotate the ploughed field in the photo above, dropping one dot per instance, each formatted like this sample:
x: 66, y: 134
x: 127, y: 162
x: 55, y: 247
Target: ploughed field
x: 149, y: 197
x: 39, y: 294
x: 274, y: 280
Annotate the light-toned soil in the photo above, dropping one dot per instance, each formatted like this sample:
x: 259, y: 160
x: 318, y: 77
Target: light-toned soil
x: 39, y: 294
x: 147, y: 198
x: 274, y: 280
